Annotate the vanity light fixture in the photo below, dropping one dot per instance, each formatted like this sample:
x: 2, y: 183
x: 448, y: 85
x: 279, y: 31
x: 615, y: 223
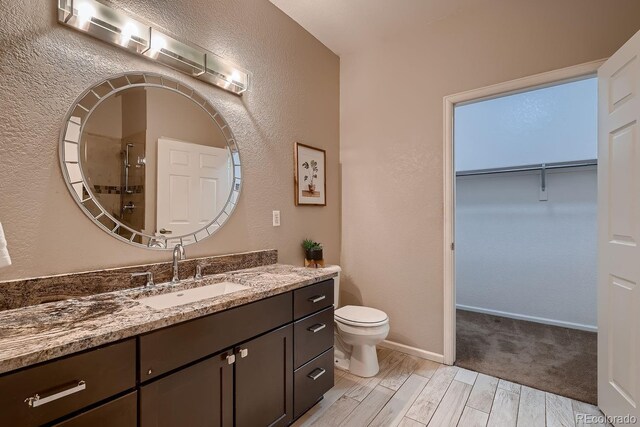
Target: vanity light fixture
x: 128, y: 32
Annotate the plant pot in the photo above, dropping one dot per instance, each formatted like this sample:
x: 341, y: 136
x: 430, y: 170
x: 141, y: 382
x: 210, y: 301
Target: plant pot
x: 313, y: 254
x: 312, y: 188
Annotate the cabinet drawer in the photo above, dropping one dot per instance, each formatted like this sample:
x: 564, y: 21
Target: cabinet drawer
x: 312, y: 381
x: 167, y: 349
x: 68, y: 384
x: 312, y: 298
x: 312, y: 336
x: 121, y: 412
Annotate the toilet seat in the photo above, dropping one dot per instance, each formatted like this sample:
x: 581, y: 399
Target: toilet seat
x: 355, y: 315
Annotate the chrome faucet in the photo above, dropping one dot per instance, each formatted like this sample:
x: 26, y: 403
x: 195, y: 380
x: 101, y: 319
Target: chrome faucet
x: 178, y: 254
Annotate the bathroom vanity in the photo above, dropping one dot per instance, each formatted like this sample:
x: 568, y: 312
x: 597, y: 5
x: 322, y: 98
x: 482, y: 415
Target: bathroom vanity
x: 262, y: 356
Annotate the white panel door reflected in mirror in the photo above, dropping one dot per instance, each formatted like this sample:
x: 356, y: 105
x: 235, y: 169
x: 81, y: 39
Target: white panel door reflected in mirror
x: 193, y: 185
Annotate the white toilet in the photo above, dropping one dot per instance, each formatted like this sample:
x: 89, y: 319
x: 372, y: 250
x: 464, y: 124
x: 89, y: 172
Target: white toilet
x: 357, y: 331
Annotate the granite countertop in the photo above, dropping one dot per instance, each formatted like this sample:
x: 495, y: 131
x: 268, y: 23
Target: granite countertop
x: 38, y: 333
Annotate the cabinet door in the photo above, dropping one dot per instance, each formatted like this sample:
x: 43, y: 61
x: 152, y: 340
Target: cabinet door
x: 264, y: 380
x: 198, y: 396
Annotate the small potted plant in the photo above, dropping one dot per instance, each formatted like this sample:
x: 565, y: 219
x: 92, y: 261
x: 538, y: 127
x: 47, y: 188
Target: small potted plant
x: 312, y: 252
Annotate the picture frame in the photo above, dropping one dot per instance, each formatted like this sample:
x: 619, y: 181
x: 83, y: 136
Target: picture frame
x: 310, y: 179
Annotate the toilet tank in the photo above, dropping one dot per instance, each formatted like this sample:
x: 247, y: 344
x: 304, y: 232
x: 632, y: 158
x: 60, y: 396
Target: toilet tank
x: 336, y: 283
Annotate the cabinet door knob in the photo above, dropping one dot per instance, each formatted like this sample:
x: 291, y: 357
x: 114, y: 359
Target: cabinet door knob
x: 316, y: 373
x: 316, y: 328
x: 244, y: 352
x: 317, y: 298
x: 231, y: 359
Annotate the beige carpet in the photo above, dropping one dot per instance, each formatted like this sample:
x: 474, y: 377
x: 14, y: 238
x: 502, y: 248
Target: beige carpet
x: 550, y: 358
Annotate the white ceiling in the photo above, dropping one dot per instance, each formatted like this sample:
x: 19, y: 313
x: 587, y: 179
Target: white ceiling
x: 345, y: 26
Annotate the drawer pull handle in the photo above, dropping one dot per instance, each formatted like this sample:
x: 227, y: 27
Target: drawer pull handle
x: 317, y: 298
x: 316, y: 373
x: 35, y: 400
x: 317, y: 328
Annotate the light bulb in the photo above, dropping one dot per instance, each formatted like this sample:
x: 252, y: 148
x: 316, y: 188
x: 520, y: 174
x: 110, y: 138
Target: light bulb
x: 235, y: 76
x: 127, y: 31
x: 85, y: 13
x: 158, y: 43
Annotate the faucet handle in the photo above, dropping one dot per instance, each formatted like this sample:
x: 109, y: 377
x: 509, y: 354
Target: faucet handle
x: 149, y: 277
x: 198, y: 275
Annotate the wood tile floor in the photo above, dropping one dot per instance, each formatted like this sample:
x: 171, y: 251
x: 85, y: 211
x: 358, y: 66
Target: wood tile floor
x: 413, y: 392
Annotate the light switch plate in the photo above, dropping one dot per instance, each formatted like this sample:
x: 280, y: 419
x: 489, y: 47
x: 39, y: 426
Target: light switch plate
x: 276, y: 218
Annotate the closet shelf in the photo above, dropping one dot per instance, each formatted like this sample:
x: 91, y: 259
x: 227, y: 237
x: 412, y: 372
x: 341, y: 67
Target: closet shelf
x: 525, y: 168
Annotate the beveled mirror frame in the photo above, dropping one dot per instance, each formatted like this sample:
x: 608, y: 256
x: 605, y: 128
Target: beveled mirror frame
x: 70, y: 157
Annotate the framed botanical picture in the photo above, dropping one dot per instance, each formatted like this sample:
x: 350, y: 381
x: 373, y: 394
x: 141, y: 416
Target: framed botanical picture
x: 310, y: 175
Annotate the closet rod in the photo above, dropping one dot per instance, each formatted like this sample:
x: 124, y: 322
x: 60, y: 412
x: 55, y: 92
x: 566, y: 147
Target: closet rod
x: 524, y: 168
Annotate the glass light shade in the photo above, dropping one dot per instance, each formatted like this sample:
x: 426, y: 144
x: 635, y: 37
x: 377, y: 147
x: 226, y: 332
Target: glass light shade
x: 128, y: 32
x: 104, y: 23
x: 226, y: 74
x: 175, y: 54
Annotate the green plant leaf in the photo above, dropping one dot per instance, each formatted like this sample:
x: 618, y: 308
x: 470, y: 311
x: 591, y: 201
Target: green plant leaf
x: 309, y: 244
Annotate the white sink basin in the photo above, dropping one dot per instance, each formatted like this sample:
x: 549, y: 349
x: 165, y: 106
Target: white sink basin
x: 187, y: 296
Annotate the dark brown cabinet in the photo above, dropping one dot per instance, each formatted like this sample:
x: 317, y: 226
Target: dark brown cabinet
x: 257, y: 375
x: 198, y: 396
x: 313, y: 344
x: 264, y: 380
x: 260, y: 364
x: 164, y: 350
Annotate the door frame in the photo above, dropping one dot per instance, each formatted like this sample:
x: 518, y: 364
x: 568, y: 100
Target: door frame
x: 547, y: 79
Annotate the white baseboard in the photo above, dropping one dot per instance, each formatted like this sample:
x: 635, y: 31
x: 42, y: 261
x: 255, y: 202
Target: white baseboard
x: 418, y: 352
x: 580, y: 326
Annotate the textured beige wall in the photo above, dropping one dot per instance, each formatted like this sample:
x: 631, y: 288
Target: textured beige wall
x: 392, y: 135
x: 167, y: 112
x: 44, y: 66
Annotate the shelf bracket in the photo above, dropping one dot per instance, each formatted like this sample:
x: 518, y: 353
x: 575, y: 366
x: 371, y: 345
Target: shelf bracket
x: 543, y: 183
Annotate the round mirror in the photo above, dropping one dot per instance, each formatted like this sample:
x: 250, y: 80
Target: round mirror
x: 150, y: 161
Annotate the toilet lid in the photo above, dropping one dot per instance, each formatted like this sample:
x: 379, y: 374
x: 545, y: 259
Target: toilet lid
x: 358, y: 315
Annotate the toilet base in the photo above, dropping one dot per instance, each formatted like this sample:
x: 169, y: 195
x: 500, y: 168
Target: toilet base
x: 364, y: 361
x: 353, y: 353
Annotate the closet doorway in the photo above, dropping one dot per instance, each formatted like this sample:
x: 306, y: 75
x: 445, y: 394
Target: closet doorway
x: 526, y: 235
